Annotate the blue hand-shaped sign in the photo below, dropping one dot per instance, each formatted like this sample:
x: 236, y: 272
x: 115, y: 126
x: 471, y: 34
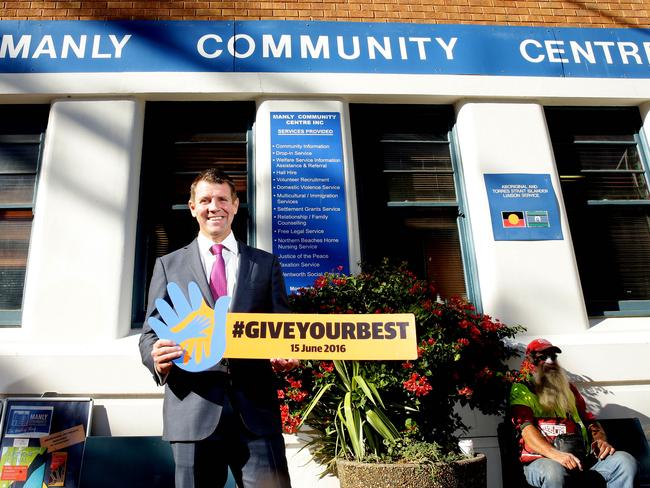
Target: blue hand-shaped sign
x: 192, y: 324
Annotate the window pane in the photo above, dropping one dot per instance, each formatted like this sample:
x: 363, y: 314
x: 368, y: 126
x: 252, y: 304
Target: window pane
x: 612, y: 186
x: 402, y: 154
x: 597, y: 159
x: 610, y: 157
x: 414, y: 156
x: 603, y: 171
x: 17, y: 189
x: 181, y: 140
x: 18, y: 158
x: 21, y: 131
x: 15, y: 228
x: 437, y: 231
x: 190, y: 158
x: 420, y: 187
x: 614, y: 257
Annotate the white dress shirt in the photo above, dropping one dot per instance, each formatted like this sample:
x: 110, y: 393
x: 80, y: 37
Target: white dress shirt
x: 230, y: 255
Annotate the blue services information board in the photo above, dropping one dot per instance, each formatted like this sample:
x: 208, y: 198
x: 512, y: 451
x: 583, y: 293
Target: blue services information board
x: 310, y: 229
x: 523, y: 207
x: 270, y: 46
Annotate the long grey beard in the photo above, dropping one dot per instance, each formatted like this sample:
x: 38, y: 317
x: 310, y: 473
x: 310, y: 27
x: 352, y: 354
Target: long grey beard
x: 553, y: 390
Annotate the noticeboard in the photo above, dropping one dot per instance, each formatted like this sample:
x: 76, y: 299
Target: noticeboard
x: 523, y: 207
x: 310, y: 227
x: 42, y: 441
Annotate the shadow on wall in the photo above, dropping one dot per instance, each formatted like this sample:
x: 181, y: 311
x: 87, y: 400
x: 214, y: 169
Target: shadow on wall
x: 100, y: 424
x: 590, y: 391
x: 592, y: 394
x: 613, y: 411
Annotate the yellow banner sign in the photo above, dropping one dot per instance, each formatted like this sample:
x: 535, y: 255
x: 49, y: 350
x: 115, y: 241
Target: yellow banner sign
x: 207, y: 335
x: 320, y: 336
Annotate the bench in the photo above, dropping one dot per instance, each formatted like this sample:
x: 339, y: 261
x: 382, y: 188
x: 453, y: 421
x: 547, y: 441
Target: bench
x: 624, y: 434
x: 129, y: 462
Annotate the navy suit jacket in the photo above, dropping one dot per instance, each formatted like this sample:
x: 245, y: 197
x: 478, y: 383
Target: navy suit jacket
x: 193, y: 401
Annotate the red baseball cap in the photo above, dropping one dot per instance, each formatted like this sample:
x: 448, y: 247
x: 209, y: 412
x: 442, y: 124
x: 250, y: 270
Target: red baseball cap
x: 539, y: 345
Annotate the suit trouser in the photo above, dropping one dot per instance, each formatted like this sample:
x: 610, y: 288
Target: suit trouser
x: 255, y: 462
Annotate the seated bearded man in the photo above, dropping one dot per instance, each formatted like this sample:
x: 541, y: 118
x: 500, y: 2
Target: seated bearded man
x: 561, y: 443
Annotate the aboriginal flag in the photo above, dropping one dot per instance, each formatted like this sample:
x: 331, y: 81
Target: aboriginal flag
x: 513, y: 219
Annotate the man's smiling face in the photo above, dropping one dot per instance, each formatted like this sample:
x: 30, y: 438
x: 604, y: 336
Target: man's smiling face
x: 214, y: 207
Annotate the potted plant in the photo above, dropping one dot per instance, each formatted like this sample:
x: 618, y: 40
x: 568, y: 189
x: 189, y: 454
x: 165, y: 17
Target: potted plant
x: 403, y: 412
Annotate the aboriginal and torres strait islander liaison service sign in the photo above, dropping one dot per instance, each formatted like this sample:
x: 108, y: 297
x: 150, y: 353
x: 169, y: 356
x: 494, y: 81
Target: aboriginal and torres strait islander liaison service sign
x: 523, y: 207
x: 208, y: 335
x: 321, y: 47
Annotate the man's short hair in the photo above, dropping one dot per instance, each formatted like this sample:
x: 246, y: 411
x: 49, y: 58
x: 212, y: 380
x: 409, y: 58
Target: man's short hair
x: 213, y: 175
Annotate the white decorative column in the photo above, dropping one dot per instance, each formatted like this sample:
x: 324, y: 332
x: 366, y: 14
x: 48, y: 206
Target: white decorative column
x: 80, y: 269
x: 533, y: 283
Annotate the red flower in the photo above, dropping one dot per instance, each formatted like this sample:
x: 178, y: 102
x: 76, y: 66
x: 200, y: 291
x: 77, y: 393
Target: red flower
x: 327, y: 366
x: 431, y: 341
x: 466, y: 391
x: 297, y: 395
x: 280, y: 394
x: 415, y: 289
x: 417, y: 384
x: 486, y: 373
x: 407, y: 365
x: 320, y: 282
x: 289, y: 422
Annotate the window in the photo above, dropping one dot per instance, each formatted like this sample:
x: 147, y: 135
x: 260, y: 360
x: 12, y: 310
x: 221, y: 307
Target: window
x: 22, y: 130
x: 180, y: 141
x: 408, y: 192
x: 605, y: 187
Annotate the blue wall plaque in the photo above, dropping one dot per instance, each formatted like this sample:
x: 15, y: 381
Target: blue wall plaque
x: 523, y: 207
x: 310, y: 229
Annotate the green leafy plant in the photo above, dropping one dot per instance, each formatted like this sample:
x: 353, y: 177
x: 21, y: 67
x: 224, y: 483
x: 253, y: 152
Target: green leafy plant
x: 391, y: 410
x: 360, y: 423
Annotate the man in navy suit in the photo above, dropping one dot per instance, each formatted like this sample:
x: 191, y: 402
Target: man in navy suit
x: 227, y: 416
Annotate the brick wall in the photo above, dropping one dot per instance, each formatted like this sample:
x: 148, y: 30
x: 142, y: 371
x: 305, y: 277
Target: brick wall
x: 593, y: 13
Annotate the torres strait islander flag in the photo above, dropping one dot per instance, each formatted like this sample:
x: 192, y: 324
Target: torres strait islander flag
x: 513, y: 219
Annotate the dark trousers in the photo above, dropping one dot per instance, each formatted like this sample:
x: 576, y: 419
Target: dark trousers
x: 255, y: 462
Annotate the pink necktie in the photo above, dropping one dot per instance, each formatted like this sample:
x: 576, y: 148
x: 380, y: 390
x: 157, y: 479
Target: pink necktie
x: 218, y: 284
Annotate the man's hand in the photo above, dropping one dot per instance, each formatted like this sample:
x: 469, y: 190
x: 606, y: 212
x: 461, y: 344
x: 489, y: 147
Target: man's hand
x: 538, y: 443
x: 284, y: 365
x: 601, y: 448
x: 566, y: 459
x: 163, y: 353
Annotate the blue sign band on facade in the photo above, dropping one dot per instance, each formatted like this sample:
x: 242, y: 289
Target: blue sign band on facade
x: 523, y: 207
x: 321, y: 47
x: 310, y: 229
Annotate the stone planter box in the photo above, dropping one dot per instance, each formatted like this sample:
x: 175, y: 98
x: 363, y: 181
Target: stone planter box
x: 465, y: 473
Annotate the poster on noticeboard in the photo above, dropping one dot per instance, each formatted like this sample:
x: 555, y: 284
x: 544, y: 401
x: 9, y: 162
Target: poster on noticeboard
x: 42, y: 441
